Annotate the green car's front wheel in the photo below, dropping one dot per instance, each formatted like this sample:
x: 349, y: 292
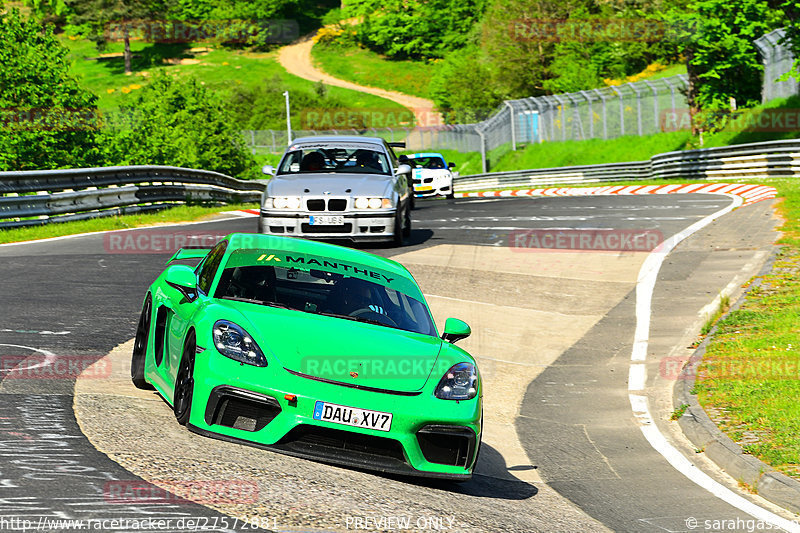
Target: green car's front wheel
x: 184, y: 382
x: 140, y: 346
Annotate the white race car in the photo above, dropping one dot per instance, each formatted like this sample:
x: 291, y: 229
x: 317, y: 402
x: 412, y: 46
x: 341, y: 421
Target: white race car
x: 430, y: 174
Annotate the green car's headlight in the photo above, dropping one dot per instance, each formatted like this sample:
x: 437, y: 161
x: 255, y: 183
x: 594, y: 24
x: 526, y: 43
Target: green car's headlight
x: 233, y: 341
x: 458, y: 383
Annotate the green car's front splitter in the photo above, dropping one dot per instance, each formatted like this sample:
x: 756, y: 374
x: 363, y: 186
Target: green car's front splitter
x: 427, y: 436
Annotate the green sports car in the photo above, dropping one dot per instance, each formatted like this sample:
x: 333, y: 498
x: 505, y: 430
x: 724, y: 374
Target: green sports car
x: 313, y: 350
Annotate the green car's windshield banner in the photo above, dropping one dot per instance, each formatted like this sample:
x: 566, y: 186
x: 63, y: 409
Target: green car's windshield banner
x: 307, y: 263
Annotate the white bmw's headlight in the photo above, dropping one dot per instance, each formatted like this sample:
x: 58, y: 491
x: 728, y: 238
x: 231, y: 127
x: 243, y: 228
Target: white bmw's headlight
x: 231, y: 340
x: 373, y: 203
x: 458, y: 383
x: 283, y: 202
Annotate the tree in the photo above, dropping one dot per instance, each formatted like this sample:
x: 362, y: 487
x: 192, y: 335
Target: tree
x: 48, y: 120
x: 722, y: 61
x: 177, y: 122
x: 459, y: 87
x: 415, y: 29
x: 518, y: 40
x: 115, y: 19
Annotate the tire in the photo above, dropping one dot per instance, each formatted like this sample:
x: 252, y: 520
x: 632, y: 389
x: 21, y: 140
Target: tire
x: 412, y: 200
x: 397, y: 238
x: 407, y: 223
x: 140, y: 346
x: 184, y: 383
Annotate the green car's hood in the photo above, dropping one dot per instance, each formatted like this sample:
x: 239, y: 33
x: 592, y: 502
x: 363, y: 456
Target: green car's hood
x: 341, y: 350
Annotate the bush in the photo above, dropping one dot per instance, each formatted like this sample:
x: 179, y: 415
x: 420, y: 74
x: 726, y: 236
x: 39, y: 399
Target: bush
x: 453, y: 87
x: 180, y: 123
x: 48, y: 121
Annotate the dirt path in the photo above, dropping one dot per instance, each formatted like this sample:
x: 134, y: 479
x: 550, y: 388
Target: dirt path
x: 296, y: 59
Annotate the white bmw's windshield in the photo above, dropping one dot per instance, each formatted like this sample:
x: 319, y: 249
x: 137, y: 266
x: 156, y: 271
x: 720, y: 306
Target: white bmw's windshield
x: 360, y: 158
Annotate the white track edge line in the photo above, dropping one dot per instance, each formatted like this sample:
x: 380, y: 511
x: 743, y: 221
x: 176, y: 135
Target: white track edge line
x: 644, y: 291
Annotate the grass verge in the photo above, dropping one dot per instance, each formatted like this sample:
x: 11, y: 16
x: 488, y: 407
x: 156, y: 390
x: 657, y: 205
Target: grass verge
x: 181, y: 213
x: 749, y: 380
x: 592, y: 151
x: 368, y: 68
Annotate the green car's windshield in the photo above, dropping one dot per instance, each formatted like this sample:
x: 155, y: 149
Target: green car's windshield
x: 323, y: 292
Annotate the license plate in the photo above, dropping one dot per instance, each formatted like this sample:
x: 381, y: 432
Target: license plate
x: 352, y: 416
x: 424, y: 188
x: 326, y: 220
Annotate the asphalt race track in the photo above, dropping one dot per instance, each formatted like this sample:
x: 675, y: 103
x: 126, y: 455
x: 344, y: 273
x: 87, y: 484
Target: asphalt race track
x: 552, y: 333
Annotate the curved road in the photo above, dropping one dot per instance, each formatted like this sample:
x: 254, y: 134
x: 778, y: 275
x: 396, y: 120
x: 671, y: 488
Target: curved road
x: 296, y: 59
x: 553, y: 333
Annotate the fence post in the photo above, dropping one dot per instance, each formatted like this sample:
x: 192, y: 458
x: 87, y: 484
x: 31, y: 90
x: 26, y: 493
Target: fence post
x: 671, y: 92
x: 635, y: 90
x: 513, y: 135
x: 621, y: 110
x: 576, y: 116
x: 656, y: 122
x: 600, y: 95
x: 588, y: 98
x: 484, y: 165
x: 562, y: 113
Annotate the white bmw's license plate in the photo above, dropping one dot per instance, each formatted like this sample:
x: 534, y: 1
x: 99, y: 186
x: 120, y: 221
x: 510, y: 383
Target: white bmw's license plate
x: 352, y: 416
x: 326, y: 220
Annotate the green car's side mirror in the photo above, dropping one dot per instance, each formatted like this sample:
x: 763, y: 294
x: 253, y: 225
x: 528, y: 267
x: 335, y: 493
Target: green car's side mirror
x: 182, y: 279
x: 455, y: 330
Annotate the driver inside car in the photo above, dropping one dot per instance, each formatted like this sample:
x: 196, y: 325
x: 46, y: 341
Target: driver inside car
x: 355, y: 295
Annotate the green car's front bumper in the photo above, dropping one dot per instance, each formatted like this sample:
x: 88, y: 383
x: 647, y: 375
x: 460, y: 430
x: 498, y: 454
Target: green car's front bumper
x: 272, y: 407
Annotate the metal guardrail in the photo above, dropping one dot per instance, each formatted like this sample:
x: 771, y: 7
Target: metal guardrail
x: 751, y: 161
x: 39, y: 197
x: 555, y: 176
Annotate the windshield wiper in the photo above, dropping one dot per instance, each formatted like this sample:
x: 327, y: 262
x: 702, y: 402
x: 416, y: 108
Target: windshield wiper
x: 358, y: 319
x: 260, y: 302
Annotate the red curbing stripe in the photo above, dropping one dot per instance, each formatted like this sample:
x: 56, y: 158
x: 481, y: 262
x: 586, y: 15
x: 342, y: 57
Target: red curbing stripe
x: 750, y: 192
